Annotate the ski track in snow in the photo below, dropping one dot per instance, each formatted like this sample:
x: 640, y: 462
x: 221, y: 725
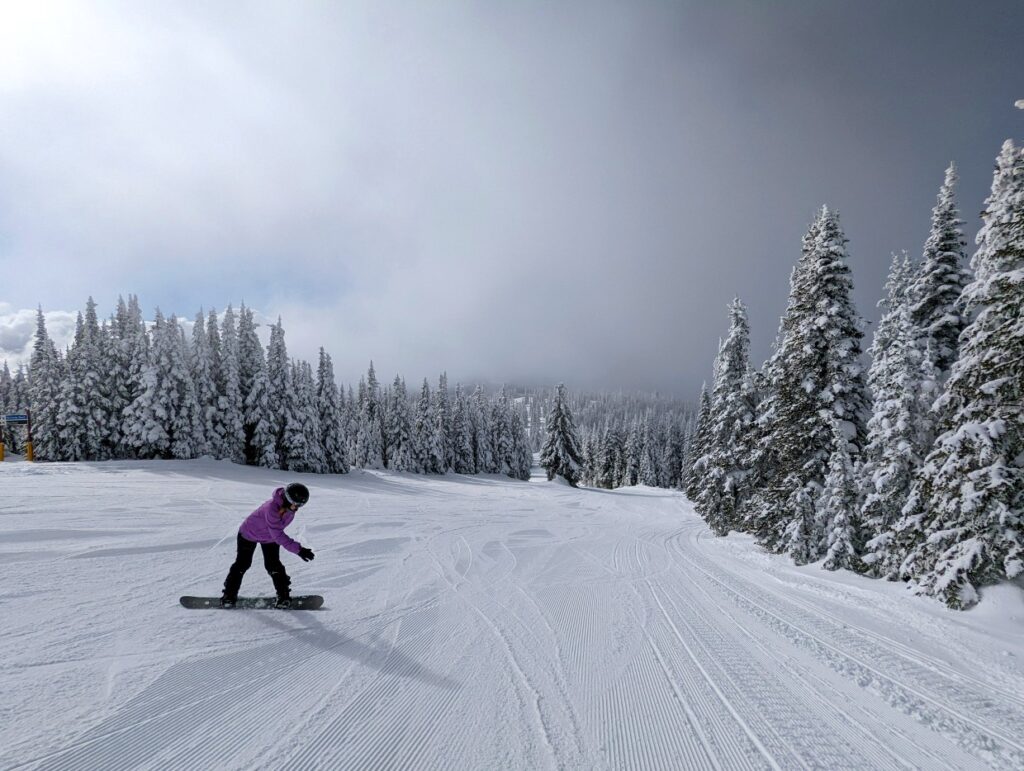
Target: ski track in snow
x: 469, y: 623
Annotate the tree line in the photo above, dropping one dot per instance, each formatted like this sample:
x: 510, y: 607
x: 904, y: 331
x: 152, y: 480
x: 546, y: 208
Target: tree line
x: 623, y: 439
x: 126, y: 389
x: 913, y: 468
x: 130, y: 389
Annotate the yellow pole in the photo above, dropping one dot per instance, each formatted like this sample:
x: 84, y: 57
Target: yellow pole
x: 29, y: 455
x: 1, y: 451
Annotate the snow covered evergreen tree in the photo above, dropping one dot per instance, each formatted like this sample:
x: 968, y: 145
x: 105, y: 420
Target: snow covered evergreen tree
x: 838, y: 509
x: 430, y: 458
x: 119, y: 366
x: 892, y: 453
x: 350, y: 409
x: 252, y: 387
x: 649, y: 473
x: 672, y: 454
x: 590, y: 440
x: 502, y: 437
x: 610, y: 457
x: 261, y: 447
x: 480, y: 428
x: 203, y: 379
x: 522, y: 454
x: 6, y: 405
x: 935, y: 292
x: 699, y: 447
x: 143, y: 432
x: 74, y: 399
x: 462, y: 447
x: 281, y: 415
x: 399, y: 430
x: 148, y: 417
x: 135, y: 348
x: 332, y: 418
x: 802, y: 537
x: 561, y: 454
x: 728, y: 454
x: 442, y: 424
x: 962, y: 527
x: 814, y: 376
x: 177, y: 391
x: 634, y: 447
x: 302, y: 449
x: 230, y: 418
x: 370, y: 436
x: 84, y: 415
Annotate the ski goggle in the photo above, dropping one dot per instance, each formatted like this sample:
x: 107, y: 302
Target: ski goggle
x: 290, y: 502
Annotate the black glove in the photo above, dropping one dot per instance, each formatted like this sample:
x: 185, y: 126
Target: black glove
x: 306, y: 554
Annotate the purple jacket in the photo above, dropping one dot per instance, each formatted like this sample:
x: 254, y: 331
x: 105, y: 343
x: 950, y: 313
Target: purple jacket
x: 267, y: 523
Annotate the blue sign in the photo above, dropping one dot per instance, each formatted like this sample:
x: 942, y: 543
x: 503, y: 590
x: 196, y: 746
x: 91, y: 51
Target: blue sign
x: 15, y: 418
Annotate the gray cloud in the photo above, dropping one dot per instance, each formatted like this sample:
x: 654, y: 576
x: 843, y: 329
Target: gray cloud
x: 505, y: 191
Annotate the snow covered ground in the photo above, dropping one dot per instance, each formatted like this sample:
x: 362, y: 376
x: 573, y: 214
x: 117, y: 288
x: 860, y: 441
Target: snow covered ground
x: 476, y: 623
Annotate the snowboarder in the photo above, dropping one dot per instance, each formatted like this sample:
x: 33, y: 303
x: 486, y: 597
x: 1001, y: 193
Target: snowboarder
x: 265, y: 527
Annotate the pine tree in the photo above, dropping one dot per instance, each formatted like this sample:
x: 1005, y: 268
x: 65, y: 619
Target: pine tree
x: 280, y: 416
x: 135, y: 347
x: 561, y: 454
x: 814, y: 376
x: 119, y: 366
x: 332, y: 418
x: 302, y: 450
x: 399, y: 429
x: 350, y: 410
x: 480, y: 434
x: 728, y: 453
x: 370, y: 432
x: 252, y: 388
x: 203, y: 379
x: 6, y: 405
x: 71, y: 415
x: 838, y: 509
x: 18, y: 400
x: 634, y: 447
x: 147, y: 418
x: 935, y: 293
x: 261, y: 447
x: 672, y: 454
x: 801, y: 538
x: 891, y: 455
x: 962, y: 527
x: 429, y: 459
x: 443, y: 423
x: 591, y: 448
x: 84, y: 416
x: 179, y: 395
x: 462, y: 447
x: 649, y: 468
x: 699, y: 447
x: 522, y: 456
x: 231, y: 412
x: 611, y: 457
x: 501, y: 434
x: 216, y: 430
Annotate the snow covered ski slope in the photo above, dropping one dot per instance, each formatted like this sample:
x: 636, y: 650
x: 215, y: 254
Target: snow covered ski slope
x: 470, y: 623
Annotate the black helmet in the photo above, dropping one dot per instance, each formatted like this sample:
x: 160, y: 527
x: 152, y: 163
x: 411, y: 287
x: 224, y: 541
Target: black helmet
x: 297, y: 494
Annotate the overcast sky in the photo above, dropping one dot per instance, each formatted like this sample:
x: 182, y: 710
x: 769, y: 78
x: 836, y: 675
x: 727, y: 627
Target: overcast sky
x: 529, y: 192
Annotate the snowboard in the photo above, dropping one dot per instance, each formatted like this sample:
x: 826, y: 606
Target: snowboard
x: 301, y: 602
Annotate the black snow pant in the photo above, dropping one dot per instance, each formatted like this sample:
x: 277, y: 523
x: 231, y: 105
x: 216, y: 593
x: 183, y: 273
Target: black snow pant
x: 243, y: 561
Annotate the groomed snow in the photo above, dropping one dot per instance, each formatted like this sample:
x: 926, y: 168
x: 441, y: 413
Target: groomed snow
x: 471, y: 623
